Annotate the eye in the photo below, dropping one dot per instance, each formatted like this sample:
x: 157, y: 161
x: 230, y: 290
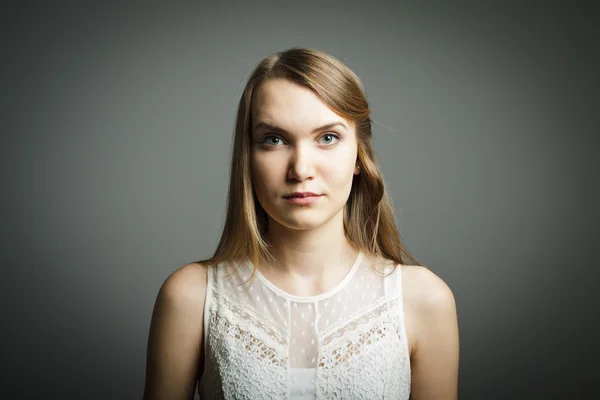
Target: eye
x: 270, y: 141
x: 329, y: 138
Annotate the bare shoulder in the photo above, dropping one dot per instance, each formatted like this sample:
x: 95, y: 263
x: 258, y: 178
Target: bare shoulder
x: 425, y: 291
x: 432, y: 329
x: 184, y: 290
x: 175, y: 342
x: 187, y: 284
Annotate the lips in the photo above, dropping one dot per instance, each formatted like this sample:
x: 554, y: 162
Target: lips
x: 301, y: 195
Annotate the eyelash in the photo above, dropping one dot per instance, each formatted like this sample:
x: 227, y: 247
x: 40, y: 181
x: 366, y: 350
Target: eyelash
x: 263, y: 140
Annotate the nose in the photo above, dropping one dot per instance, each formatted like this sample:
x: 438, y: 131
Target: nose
x: 301, y: 165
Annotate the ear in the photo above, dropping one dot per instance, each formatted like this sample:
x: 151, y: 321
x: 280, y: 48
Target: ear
x: 357, y: 169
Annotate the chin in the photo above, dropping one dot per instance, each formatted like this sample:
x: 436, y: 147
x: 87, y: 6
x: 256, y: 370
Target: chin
x: 299, y: 220
x: 301, y: 224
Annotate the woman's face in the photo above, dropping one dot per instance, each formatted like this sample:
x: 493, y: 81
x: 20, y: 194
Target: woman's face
x: 299, y: 145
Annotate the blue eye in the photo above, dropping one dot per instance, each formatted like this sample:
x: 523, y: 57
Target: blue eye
x: 270, y: 141
x: 267, y: 141
x: 330, y: 138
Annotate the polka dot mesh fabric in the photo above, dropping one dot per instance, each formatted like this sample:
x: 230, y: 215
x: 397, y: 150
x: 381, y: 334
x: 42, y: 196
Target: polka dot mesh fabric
x: 348, y: 343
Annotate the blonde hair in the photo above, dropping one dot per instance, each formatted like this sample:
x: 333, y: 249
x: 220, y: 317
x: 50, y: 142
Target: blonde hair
x: 369, y: 220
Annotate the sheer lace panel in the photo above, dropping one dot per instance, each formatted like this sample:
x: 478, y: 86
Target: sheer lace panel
x: 362, y: 331
x: 251, y: 343
x: 351, y: 341
x: 250, y: 321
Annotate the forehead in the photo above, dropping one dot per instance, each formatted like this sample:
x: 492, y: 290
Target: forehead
x: 290, y: 105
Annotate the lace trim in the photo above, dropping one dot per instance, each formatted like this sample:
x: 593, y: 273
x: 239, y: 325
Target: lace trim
x: 251, y: 324
x: 356, y: 347
x: 364, y: 331
x: 241, y: 314
x: 223, y: 327
x: 359, y: 318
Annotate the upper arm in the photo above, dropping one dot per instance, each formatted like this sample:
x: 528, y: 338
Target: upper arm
x: 175, y: 341
x: 434, y: 359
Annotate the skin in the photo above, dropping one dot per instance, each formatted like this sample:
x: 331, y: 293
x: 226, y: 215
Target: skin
x: 310, y: 247
x: 309, y: 244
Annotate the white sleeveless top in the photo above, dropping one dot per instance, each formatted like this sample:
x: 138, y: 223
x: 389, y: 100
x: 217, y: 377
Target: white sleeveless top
x: 263, y: 343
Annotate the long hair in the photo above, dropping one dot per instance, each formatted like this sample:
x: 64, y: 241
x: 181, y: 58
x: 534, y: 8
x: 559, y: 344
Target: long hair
x: 369, y: 220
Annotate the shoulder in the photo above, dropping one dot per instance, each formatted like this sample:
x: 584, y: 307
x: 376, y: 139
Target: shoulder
x: 175, y: 342
x: 186, y: 284
x: 423, y: 290
x: 432, y: 329
x: 429, y: 305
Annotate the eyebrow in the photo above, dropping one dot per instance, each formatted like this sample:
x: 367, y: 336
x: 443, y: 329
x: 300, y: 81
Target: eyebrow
x: 273, y: 127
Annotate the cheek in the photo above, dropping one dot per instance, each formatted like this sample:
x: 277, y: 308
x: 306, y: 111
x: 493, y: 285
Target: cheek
x: 342, y: 171
x: 262, y: 169
x: 264, y: 174
x: 339, y: 180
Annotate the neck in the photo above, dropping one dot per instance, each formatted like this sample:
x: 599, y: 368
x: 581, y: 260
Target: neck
x: 310, y: 252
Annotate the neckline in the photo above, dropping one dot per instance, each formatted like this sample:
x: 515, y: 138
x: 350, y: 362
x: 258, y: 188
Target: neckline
x: 307, y: 299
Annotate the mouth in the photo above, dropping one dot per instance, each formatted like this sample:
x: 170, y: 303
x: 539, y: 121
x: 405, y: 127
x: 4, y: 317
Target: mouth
x: 302, y: 199
x: 301, y: 195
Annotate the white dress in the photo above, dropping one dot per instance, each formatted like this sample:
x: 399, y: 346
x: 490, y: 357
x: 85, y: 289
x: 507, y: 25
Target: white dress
x: 263, y: 343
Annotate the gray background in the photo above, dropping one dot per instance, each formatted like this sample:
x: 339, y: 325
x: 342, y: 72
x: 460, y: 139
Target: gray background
x: 116, y: 123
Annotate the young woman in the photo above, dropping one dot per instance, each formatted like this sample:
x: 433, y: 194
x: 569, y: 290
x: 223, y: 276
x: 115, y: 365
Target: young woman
x: 310, y: 293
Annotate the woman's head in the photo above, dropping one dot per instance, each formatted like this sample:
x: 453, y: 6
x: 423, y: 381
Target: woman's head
x: 299, y: 145
x: 297, y: 91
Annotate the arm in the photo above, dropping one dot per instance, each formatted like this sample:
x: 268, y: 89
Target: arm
x: 435, y: 352
x: 175, y: 342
